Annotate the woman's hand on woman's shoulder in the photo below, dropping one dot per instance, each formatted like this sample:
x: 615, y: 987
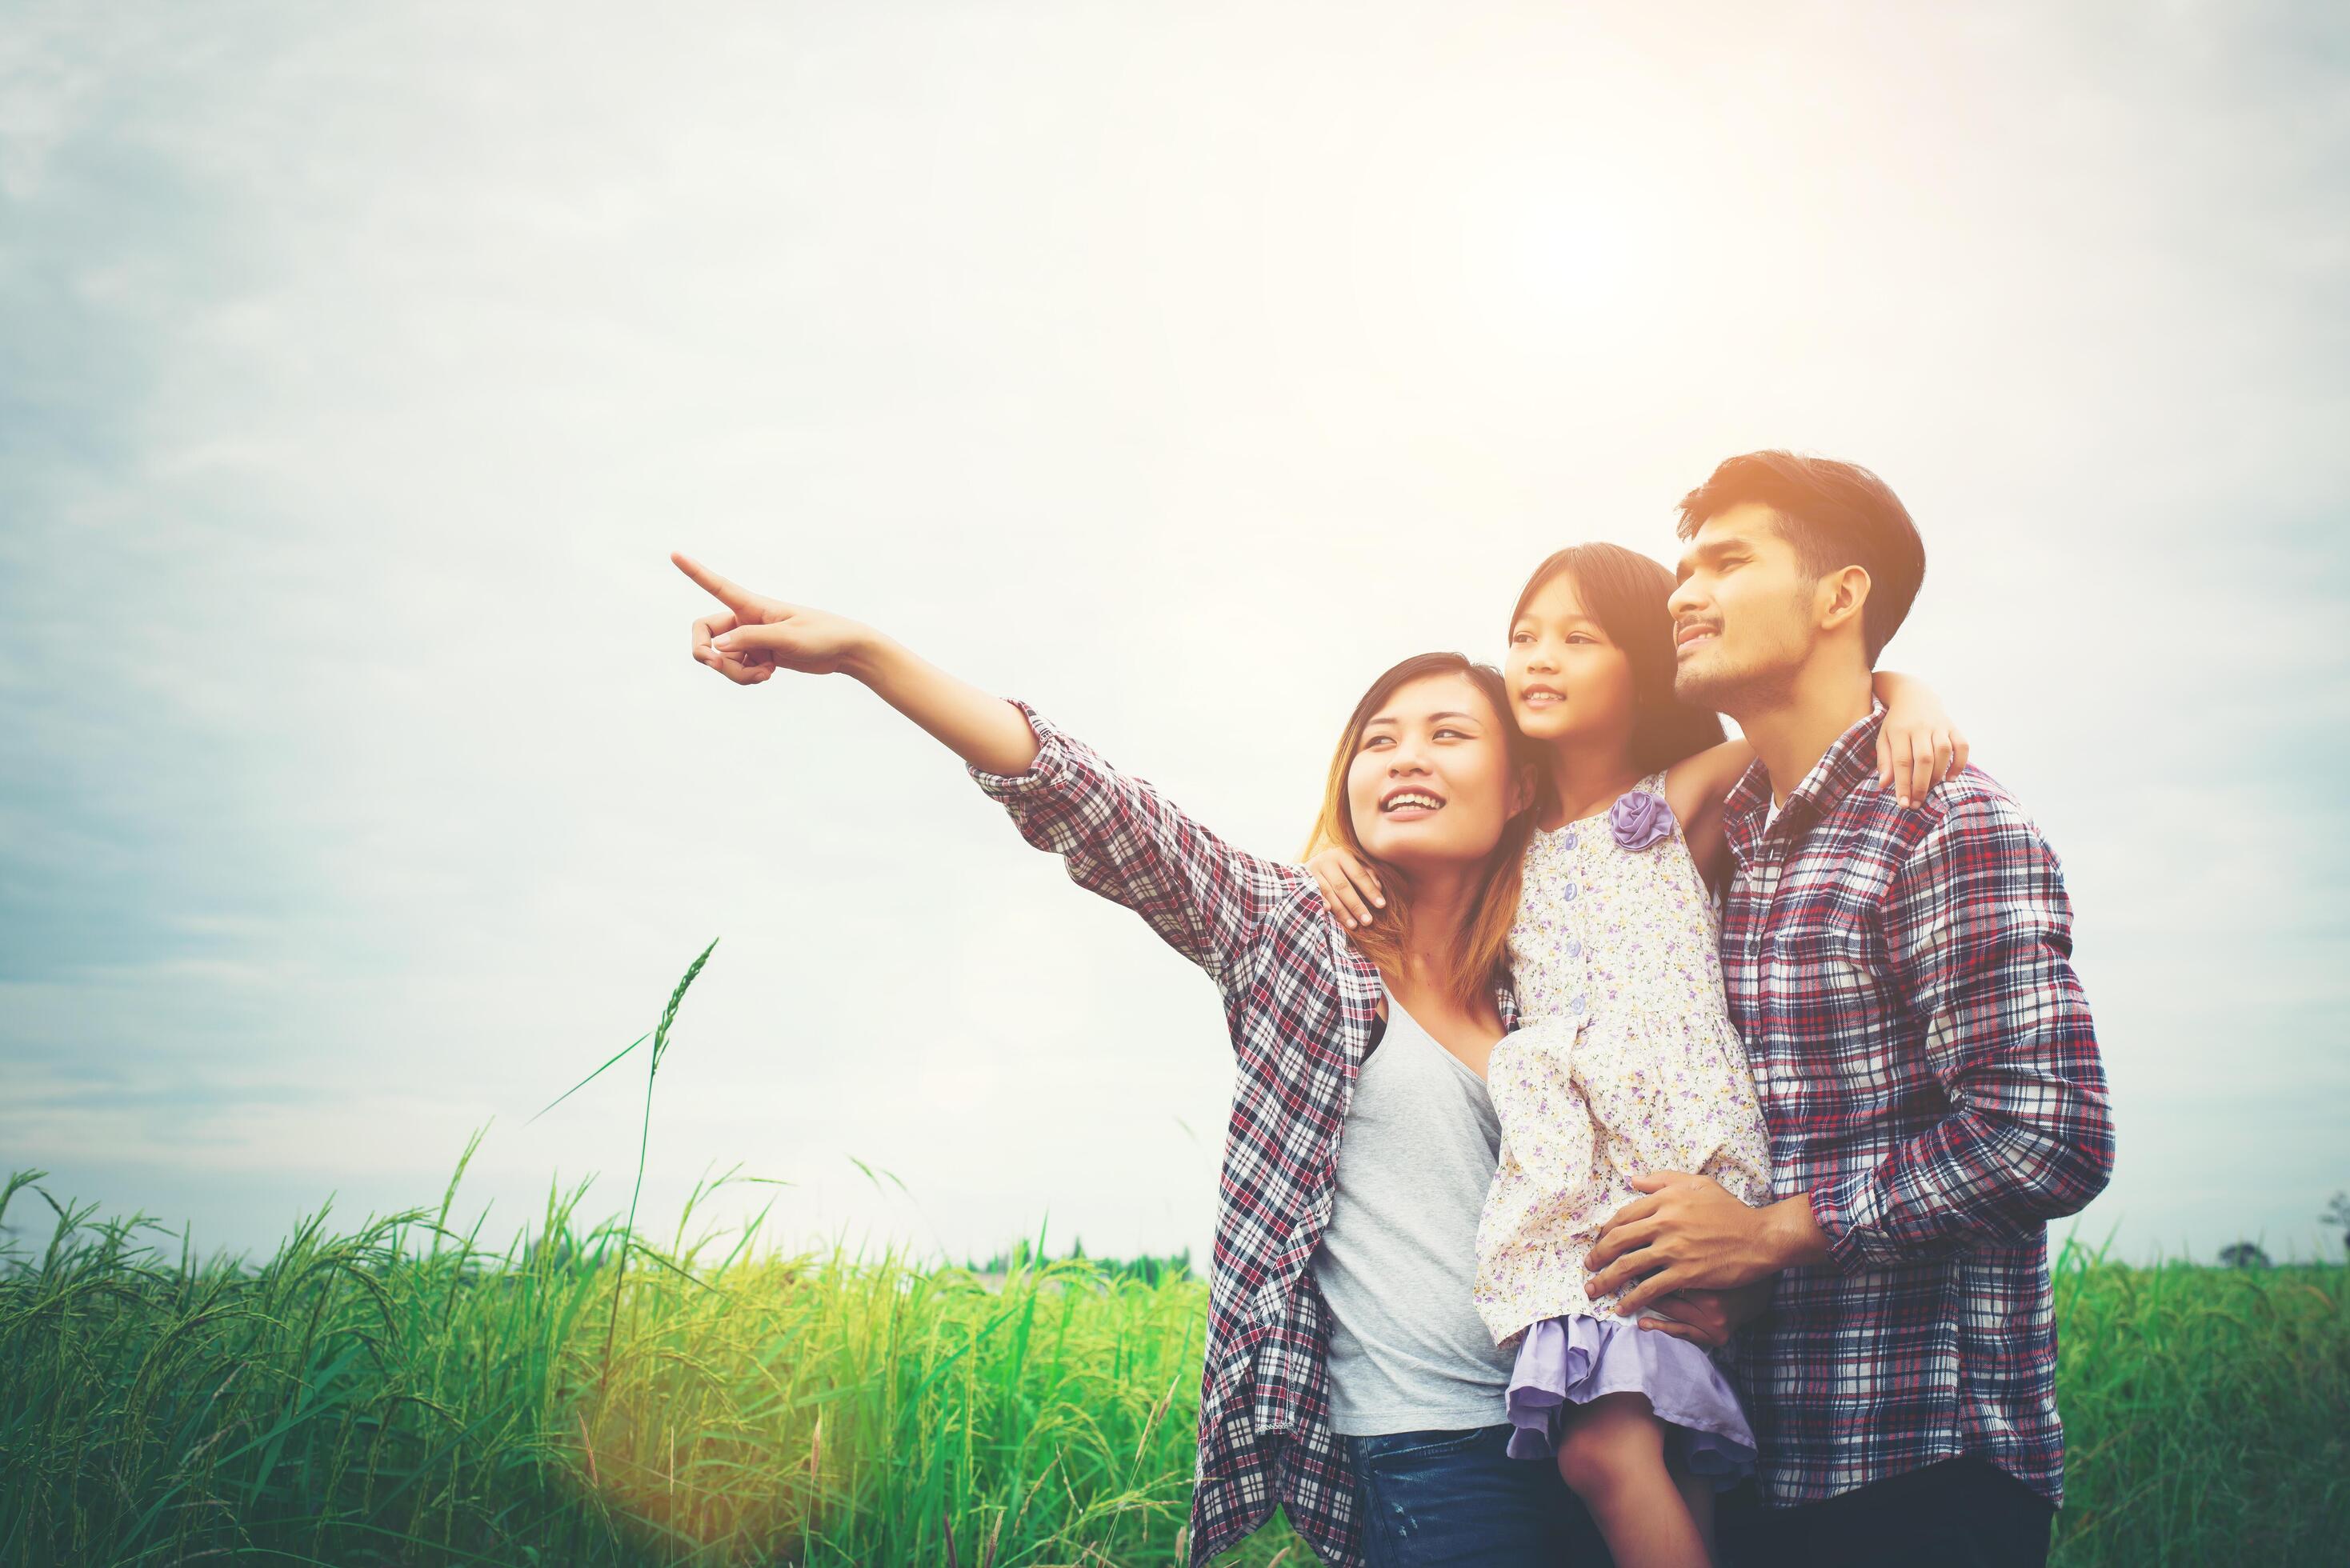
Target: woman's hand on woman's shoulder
x: 1350, y: 889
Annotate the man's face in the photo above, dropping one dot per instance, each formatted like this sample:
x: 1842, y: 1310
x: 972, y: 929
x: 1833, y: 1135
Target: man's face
x: 1745, y: 614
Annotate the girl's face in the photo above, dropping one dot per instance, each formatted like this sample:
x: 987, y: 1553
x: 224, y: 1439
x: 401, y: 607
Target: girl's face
x: 1430, y: 783
x: 1568, y: 682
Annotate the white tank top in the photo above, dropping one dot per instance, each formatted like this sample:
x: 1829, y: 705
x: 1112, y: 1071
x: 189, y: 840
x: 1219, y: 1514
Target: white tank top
x: 1417, y: 1151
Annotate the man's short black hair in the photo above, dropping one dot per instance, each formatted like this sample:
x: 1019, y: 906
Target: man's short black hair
x: 1835, y: 515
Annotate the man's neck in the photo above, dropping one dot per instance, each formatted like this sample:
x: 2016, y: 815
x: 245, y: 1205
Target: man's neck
x: 1790, y: 736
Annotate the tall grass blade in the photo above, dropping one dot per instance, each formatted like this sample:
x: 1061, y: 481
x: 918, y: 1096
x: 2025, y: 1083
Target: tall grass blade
x: 591, y: 1077
x: 644, y: 1147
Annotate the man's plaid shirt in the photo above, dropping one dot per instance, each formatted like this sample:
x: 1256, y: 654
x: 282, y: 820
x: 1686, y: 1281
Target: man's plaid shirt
x: 1928, y: 1068
x: 1302, y: 1005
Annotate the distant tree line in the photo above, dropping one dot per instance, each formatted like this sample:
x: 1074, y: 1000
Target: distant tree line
x: 2251, y: 1255
x: 1151, y: 1269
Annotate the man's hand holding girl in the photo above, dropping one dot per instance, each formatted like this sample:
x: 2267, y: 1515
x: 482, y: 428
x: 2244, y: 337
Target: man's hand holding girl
x: 1689, y: 1233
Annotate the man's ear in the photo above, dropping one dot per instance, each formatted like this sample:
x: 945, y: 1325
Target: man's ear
x: 1842, y: 595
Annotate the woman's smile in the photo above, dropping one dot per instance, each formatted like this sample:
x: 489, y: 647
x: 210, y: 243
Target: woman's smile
x: 1410, y: 803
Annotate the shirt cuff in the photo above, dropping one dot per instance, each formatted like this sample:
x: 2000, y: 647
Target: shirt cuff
x: 1845, y: 1212
x: 1050, y: 767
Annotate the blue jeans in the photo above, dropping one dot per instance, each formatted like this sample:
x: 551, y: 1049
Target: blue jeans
x: 1439, y: 1498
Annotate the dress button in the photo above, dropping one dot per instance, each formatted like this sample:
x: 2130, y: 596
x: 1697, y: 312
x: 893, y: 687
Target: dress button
x: 1575, y: 1007
x: 1568, y: 893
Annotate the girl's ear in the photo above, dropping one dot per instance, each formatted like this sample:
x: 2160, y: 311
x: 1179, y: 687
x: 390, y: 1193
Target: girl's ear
x: 1523, y: 790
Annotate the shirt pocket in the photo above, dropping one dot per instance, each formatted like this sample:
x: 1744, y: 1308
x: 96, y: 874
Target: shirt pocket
x: 1830, y: 970
x: 1828, y: 1065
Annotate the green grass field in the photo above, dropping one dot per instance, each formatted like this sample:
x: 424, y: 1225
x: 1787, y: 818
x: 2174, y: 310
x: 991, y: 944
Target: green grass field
x: 406, y: 1394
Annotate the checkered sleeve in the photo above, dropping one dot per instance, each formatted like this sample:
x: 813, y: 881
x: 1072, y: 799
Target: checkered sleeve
x: 1980, y: 932
x: 1124, y: 840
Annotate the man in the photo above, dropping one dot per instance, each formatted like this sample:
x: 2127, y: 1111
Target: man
x: 1921, y: 1047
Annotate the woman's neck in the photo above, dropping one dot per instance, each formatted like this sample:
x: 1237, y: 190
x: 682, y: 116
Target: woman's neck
x: 1586, y: 779
x: 1440, y: 903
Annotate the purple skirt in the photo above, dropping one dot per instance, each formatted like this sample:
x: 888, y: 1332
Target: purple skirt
x: 1580, y: 1358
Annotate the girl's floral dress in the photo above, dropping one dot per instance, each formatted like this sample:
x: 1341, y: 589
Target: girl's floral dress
x: 1626, y: 1062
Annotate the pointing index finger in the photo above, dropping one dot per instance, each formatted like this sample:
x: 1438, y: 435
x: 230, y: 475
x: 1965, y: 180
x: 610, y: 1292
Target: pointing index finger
x: 735, y: 595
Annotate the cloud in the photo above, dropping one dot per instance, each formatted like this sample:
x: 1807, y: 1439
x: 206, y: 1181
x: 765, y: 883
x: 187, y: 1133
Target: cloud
x: 1177, y: 371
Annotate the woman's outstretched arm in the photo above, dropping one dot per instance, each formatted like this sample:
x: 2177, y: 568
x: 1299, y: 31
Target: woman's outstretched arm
x: 1119, y: 837
x: 759, y: 636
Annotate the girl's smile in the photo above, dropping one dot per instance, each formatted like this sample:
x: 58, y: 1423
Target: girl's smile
x: 1567, y: 677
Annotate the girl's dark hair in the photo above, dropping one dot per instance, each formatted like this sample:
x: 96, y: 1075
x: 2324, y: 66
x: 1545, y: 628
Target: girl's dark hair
x: 1625, y: 592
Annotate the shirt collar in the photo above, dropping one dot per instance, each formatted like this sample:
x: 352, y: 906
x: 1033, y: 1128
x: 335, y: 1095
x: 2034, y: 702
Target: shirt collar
x: 1837, y: 773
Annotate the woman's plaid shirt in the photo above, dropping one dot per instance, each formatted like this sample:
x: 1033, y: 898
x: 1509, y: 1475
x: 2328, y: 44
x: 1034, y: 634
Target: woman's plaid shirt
x: 1929, y: 1074
x: 1302, y: 1005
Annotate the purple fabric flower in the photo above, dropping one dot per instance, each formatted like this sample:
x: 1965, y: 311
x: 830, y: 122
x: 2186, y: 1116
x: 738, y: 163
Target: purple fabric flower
x: 1639, y: 819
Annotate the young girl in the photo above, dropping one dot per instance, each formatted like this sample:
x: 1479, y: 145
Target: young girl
x: 1626, y: 1060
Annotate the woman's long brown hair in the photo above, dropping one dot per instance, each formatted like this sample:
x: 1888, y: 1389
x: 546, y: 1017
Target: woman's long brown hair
x: 1481, y: 959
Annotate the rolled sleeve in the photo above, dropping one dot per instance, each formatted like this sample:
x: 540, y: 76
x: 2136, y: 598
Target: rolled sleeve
x: 1047, y: 774
x: 1980, y: 932
x: 1119, y: 837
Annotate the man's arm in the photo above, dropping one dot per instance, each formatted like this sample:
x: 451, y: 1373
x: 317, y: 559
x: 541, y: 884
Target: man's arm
x: 1981, y: 934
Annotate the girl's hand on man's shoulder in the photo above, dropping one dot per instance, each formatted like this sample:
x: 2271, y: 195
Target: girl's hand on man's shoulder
x: 1350, y: 889
x: 1914, y: 755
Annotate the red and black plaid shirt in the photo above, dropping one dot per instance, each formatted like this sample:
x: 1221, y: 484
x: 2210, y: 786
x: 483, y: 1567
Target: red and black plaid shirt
x: 1303, y: 1006
x: 1928, y: 1071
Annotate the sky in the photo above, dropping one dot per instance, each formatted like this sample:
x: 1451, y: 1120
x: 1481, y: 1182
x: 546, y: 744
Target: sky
x: 1176, y: 369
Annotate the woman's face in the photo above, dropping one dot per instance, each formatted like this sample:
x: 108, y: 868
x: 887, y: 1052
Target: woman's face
x: 1568, y: 681
x: 1430, y: 783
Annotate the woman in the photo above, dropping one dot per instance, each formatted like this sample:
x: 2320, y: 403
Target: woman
x: 1348, y: 1377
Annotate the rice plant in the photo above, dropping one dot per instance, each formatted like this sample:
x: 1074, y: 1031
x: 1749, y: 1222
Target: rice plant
x: 2207, y: 1412
x: 405, y: 1394
x: 361, y: 1400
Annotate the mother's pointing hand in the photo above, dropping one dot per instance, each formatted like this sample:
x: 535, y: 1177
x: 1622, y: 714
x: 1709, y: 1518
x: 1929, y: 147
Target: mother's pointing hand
x: 756, y: 636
